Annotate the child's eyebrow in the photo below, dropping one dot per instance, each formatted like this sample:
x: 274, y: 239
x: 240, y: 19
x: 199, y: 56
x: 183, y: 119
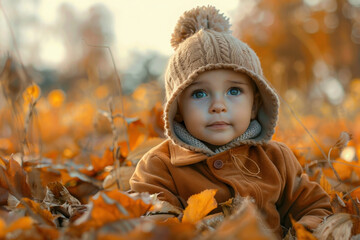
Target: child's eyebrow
x: 238, y: 82
x: 194, y: 83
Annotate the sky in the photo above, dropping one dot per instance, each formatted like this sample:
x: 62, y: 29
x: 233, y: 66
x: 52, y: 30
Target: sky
x: 144, y: 24
x: 140, y: 25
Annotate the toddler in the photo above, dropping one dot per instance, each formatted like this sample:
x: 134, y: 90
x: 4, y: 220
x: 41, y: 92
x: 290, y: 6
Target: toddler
x: 220, y: 115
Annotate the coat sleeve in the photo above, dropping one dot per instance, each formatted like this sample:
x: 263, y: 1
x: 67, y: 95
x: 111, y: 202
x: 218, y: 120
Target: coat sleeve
x: 302, y: 198
x: 153, y: 176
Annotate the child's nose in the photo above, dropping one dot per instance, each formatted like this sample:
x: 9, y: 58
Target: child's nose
x: 217, y: 106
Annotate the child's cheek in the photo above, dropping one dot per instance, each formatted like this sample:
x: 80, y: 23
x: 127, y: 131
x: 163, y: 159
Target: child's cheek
x: 199, y: 105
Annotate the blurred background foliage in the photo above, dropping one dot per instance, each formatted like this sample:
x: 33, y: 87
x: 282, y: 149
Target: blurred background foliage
x: 71, y: 75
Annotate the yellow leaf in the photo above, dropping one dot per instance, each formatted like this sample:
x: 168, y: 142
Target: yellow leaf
x: 199, y: 206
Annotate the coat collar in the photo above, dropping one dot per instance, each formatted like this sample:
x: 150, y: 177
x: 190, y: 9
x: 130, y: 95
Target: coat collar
x: 181, y: 156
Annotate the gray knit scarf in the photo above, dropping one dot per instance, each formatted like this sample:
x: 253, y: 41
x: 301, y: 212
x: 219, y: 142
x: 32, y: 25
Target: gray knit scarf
x: 181, y: 132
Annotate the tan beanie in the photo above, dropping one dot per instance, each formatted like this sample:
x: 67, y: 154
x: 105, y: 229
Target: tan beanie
x: 202, y: 42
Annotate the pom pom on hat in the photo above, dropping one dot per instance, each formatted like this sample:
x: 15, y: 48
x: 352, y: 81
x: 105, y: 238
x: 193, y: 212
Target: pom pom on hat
x: 196, y: 19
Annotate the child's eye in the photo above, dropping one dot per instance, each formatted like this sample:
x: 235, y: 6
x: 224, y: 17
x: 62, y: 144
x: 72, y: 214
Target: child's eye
x: 234, y: 91
x: 199, y: 94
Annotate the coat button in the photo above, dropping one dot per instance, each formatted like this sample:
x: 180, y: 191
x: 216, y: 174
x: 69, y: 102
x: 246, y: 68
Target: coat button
x: 218, y: 164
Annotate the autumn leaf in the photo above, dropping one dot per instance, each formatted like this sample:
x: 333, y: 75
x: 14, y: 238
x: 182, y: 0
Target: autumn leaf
x: 301, y: 232
x: 326, y: 185
x: 337, y: 226
x: 199, y: 205
x: 100, y: 163
x: 343, y: 168
x: 13, y: 178
x: 245, y: 222
x: 58, y: 194
x: 343, y: 140
x: 23, y: 223
x: 35, y: 210
x: 4, y: 193
x: 110, y: 206
x: 136, y: 133
x: 128, y: 207
x: 123, y: 177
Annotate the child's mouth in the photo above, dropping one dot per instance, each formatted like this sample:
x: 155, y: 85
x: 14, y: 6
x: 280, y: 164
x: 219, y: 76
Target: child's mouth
x: 218, y: 125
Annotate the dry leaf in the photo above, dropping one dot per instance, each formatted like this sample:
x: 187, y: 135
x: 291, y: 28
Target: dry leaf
x: 13, y: 178
x: 35, y: 208
x: 343, y: 140
x: 326, y: 185
x: 123, y: 176
x: 4, y: 194
x: 136, y: 154
x: 343, y: 168
x: 110, y: 206
x: 245, y: 223
x: 100, y: 163
x: 23, y: 224
x: 337, y: 226
x: 199, y: 205
x: 301, y: 232
x: 57, y: 194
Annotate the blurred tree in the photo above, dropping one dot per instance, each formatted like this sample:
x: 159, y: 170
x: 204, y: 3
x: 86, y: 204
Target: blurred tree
x: 144, y: 67
x: 304, y: 42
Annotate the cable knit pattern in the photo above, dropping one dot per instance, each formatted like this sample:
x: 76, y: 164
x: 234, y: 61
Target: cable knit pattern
x: 253, y: 130
x: 203, y: 42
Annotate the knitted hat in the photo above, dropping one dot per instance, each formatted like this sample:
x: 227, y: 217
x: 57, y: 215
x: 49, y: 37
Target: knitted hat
x: 202, y: 42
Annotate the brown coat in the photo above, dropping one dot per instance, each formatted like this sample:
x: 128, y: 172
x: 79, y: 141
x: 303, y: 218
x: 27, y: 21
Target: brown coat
x: 270, y: 174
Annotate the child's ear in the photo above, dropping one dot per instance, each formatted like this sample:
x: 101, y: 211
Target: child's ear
x: 256, y: 105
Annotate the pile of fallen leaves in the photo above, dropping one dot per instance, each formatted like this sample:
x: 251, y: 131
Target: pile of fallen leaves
x: 65, y: 162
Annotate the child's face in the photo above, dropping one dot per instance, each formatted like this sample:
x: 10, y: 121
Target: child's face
x: 218, y: 106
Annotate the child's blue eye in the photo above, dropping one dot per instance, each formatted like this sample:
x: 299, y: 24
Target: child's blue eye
x: 199, y: 94
x: 234, y: 91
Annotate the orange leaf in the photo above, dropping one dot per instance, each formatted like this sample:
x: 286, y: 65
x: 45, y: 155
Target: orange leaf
x: 45, y: 215
x: 2, y: 229
x: 100, y: 163
x: 14, y: 179
x: 199, y: 206
x: 48, y: 232
x: 245, y: 222
x: 23, y: 223
x: 115, y: 205
x: 301, y: 232
x: 326, y: 185
x: 343, y: 168
x: 4, y: 194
